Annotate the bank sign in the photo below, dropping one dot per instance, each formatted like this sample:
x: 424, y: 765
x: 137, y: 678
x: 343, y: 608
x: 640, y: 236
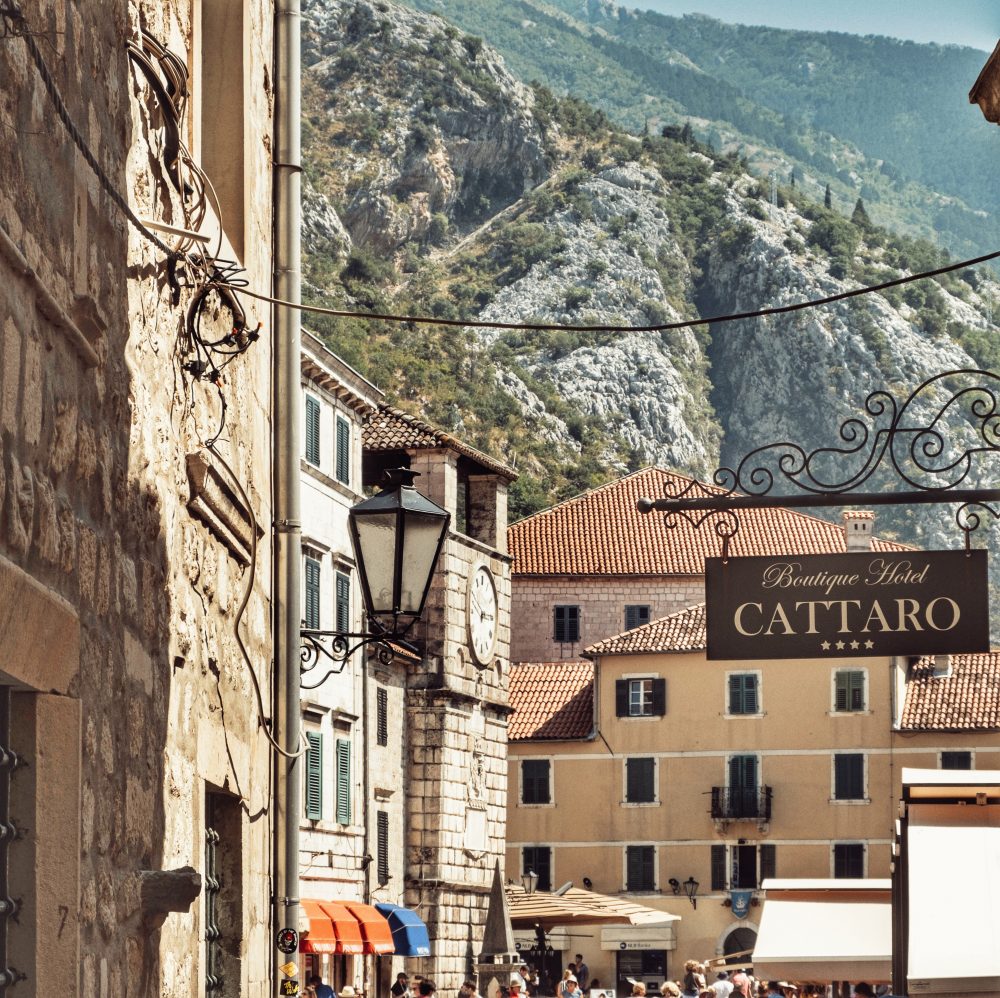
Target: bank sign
x: 837, y: 605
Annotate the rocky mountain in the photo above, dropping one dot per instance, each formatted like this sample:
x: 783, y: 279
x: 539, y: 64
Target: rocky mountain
x: 884, y: 119
x: 441, y: 186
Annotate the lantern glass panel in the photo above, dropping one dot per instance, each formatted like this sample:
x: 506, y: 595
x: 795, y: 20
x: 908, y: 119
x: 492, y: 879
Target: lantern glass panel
x: 377, y: 540
x: 420, y: 544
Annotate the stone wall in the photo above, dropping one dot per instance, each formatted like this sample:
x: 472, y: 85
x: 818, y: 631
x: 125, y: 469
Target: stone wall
x: 457, y: 767
x: 602, y: 600
x: 119, y: 601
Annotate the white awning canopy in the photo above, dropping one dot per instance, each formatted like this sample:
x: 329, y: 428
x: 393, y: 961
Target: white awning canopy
x: 825, y: 930
x: 954, y: 909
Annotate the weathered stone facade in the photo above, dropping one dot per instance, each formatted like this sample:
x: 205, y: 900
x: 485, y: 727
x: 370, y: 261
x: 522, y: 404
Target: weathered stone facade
x: 123, y: 565
x: 602, y: 601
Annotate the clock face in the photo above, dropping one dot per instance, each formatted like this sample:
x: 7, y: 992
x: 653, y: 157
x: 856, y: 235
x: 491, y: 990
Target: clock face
x: 482, y: 614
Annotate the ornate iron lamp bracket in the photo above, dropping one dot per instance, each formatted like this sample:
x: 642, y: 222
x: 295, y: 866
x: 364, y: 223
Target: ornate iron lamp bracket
x: 339, y: 646
x: 928, y: 443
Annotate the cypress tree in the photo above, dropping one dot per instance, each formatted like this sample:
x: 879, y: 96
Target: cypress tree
x: 859, y: 216
x: 827, y: 198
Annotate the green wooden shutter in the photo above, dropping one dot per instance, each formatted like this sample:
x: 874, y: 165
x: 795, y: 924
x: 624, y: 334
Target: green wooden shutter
x: 314, y: 776
x: 312, y: 430
x: 382, y: 716
x: 849, y: 776
x: 312, y: 594
x: 383, y: 848
x: 719, y: 868
x: 768, y: 861
x: 343, y: 470
x: 743, y: 693
x: 659, y: 697
x: 343, y: 602
x: 850, y: 693
x: 640, y: 781
x: 343, y: 781
x: 621, y: 698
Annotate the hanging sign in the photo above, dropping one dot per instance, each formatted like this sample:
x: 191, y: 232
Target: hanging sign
x: 740, y: 901
x: 847, y: 605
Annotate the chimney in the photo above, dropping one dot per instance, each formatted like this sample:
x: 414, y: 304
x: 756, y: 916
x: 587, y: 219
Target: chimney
x: 858, y: 524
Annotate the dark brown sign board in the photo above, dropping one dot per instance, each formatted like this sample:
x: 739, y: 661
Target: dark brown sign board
x: 860, y: 604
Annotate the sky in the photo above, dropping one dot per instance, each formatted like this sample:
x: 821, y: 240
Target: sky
x: 960, y: 22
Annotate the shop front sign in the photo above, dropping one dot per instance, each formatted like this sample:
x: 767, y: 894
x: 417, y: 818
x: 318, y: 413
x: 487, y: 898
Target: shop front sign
x: 847, y: 605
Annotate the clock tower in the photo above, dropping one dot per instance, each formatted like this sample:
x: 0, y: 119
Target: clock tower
x: 456, y: 705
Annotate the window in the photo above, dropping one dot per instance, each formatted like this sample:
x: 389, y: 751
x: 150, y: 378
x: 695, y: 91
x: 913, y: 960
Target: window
x: 640, y: 781
x: 849, y: 860
x: 382, y: 716
x: 382, y: 865
x: 566, y: 624
x: 640, y: 697
x: 343, y: 460
x: 640, y: 868
x: 742, y: 867
x: 635, y: 616
x: 849, y: 690
x: 956, y: 760
x: 342, y: 604
x: 538, y: 859
x: 312, y: 430
x: 343, y: 781
x: 314, y: 776
x: 744, y: 792
x: 743, y: 693
x: 312, y: 594
x: 849, y: 776
x: 535, y: 782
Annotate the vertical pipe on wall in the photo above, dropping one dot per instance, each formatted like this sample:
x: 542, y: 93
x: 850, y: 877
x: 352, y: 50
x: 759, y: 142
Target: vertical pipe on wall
x: 287, y: 448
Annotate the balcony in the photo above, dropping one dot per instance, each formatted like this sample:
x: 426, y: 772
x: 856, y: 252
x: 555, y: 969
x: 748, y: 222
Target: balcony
x: 739, y: 804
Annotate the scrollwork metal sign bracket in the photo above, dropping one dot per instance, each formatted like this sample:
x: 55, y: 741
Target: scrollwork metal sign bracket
x: 928, y: 443
x: 339, y: 646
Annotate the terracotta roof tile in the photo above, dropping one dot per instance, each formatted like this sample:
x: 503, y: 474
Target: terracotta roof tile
x: 682, y: 631
x: 602, y: 533
x: 966, y: 700
x: 392, y: 429
x: 551, y: 700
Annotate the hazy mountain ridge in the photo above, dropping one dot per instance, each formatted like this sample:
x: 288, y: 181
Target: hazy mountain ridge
x: 780, y: 104
x: 613, y: 230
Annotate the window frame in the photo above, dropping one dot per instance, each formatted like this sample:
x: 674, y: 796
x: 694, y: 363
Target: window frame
x: 654, y: 799
x: 862, y: 798
x: 313, y: 432
x: 536, y: 851
x: 863, y: 674
x: 569, y: 625
x: 835, y: 846
x: 968, y: 753
x: 525, y: 783
x: 758, y: 684
x: 342, y: 449
x: 636, y: 610
x: 624, y: 696
x: 652, y: 862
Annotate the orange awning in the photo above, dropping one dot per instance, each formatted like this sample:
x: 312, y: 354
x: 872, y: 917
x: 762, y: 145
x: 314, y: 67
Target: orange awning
x: 374, y: 928
x: 322, y: 938
x: 332, y: 929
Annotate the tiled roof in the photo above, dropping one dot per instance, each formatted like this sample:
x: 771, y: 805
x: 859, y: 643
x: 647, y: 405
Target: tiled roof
x: 392, y: 429
x: 966, y: 700
x: 683, y: 631
x: 602, y: 533
x: 551, y: 700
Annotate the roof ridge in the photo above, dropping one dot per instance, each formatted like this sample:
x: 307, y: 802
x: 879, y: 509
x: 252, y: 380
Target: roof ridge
x: 607, y: 485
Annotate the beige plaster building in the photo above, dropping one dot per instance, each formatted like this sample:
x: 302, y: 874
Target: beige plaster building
x: 646, y: 767
x: 134, y: 617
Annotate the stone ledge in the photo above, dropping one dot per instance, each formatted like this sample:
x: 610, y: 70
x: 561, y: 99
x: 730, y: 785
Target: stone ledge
x: 215, y: 503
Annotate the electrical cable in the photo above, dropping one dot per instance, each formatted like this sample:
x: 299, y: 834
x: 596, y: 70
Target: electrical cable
x: 657, y: 328
x: 247, y: 592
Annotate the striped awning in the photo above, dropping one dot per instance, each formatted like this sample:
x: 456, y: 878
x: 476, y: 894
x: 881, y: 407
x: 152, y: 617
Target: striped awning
x: 332, y: 929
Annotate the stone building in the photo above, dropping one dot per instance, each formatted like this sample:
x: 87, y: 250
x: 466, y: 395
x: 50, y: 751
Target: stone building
x: 454, y: 737
x: 134, y: 597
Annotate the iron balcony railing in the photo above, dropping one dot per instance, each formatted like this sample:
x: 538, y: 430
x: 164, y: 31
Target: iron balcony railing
x: 733, y: 803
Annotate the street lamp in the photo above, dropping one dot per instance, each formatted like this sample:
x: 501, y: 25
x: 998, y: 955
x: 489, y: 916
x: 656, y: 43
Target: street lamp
x: 397, y: 537
x: 691, y: 889
x: 529, y: 880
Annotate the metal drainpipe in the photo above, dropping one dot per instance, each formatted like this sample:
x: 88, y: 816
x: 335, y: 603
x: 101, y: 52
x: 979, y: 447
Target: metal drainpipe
x: 287, y: 448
